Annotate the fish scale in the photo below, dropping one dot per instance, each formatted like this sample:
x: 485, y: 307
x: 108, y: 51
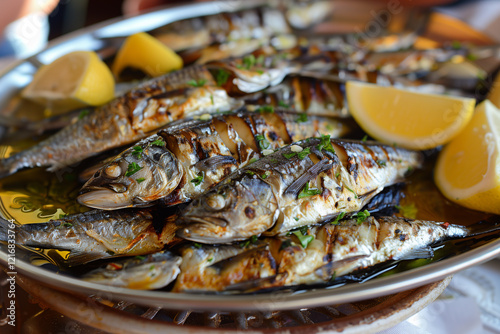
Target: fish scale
x: 197, y: 154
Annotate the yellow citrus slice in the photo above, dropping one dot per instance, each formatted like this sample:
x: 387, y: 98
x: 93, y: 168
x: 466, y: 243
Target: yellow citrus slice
x: 74, y: 80
x: 144, y: 52
x: 406, y: 118
x: 468, y: 168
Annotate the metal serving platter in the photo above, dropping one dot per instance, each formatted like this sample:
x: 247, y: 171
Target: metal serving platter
x: 431, y: 204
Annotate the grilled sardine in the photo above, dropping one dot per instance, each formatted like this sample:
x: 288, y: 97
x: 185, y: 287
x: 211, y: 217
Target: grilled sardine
x: 302, y: 184
x: 186, y: 158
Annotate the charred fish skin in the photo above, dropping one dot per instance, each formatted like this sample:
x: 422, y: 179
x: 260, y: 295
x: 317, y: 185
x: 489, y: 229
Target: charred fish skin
x: 119, y: 122
x: 331, y: 251
x: 98, y: 234
x: 153, y: 271
x: 302, y: 184
x: 186, y: 158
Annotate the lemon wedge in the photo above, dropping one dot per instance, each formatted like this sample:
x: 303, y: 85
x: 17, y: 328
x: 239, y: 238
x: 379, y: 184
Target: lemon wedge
x: 146, y: 53
x: 74, y: 80
x: 406, y: 118
x: 468, y: 168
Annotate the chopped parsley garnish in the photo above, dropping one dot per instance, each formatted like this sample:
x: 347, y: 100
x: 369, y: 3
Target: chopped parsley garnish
x: 381, y: 163
x: 210, y: 259
x: 364, y: 138
x: 137, y: 152
x: 355, y: 195
x: 83, y: 113
x: 253, y: 239
x: 250, y: 173
x: 152, y: 267
x: 68, y: 225
x: 263, y: 142
x: 260, y: 60
x: 408, y: 210
x: 249, y: 61
x: 283, y: 104
x: 361, y: 216
x: 141, y: 179
x: 132, y: 169
x: 197, y: 245
x: 268, y: 109
x: 302, y: 118
x: 471, y: 57
x: 325, y: 144
x: 221, y: 77
x: 339, y: 217
x: 305, y: 240
x: 199, y: 179
x: 265, y: 175
x: 296, y: 218
x: 301, y: 155
x: 337, y: 175
x: 212, y: 99
x: 158, y: 142
x: 199, y: 83
x: 252, y: 160
x: 306, y: 192
x: 285, y: 244
x: 63, y: 215
x: 139, y: 257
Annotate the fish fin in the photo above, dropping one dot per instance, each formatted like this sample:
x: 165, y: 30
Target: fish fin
x: 314, y: 171
x: 220, y: 265
x: 418, y: 253
x: 327, y: 271
x: 485, y: 226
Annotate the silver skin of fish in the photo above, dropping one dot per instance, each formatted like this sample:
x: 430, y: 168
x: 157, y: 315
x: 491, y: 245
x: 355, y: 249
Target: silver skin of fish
x: 97, y: 234
x: 334, y: 250
x: 302, y: 184
x: 149, y: 272
x: 186, y: 158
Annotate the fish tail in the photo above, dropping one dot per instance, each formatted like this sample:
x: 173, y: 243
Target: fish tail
x: 8, y: 230
x: 483, y: 227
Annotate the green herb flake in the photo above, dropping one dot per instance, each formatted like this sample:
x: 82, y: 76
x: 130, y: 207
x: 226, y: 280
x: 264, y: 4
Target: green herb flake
x: 199, y: 83
x: 83, y: 113
x: 355, y: 195
x: 325, y: 144
x: 210, y: 259
x: 361, y: 216
x: 334, y: 276
x: 141, y: 179
x: 301, y: 155
x: 381, y: 163
x: 158, y: 142
x: 265, y: 175
x: 199, y: 179
x: 337, y: 175
x: 296, y: 219
x: 139, y: 257
x: 250, y: 173
x: 338, y: 218
x: 260, y: 60
x: 262, y: 142
x: 265, y: 109
x: 456, y: 45
x: 221, y: 77
x: 306, y: 192
x: 132, y: 169
x: 244, y: 244
x: 254, y: 239
x: 197, y: 245
x: 137, y: 152
x: 365, y: 138
x: 283, y: 104
x: 302, y: 118
x: 305, y: 240
x: 152, y: 267
x: 63, y: 215
x: 68, y: 225
x: 472, y: 57
x: 212, y: 99
x: 408, y: 210
x: 252, y: 160
x: 249, y: 61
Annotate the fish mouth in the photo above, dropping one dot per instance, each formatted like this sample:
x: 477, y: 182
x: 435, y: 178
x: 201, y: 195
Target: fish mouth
x: 104, y: 199
x: 206, y: 230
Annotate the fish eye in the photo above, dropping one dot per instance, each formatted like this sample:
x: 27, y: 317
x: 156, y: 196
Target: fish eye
x: 216, y: 202
x: 113, y: 171
x: 97, y: 174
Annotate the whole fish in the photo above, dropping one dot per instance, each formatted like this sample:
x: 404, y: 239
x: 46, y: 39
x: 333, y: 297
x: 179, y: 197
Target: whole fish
x: 97, y: 234
x: 302, y: 184
x: 312, y: 256
x: 133, y: 116
x: 153, y: 271
x: 186, y: 158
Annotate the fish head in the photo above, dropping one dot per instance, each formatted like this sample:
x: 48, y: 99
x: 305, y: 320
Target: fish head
x: 235, y: 210
x: 136, y: 178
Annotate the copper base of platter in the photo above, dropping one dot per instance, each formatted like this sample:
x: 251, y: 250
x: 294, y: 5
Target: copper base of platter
x: 95, y: 314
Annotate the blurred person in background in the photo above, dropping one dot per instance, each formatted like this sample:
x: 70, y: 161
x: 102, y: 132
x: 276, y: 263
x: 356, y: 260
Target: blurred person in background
x: 24, y: 26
